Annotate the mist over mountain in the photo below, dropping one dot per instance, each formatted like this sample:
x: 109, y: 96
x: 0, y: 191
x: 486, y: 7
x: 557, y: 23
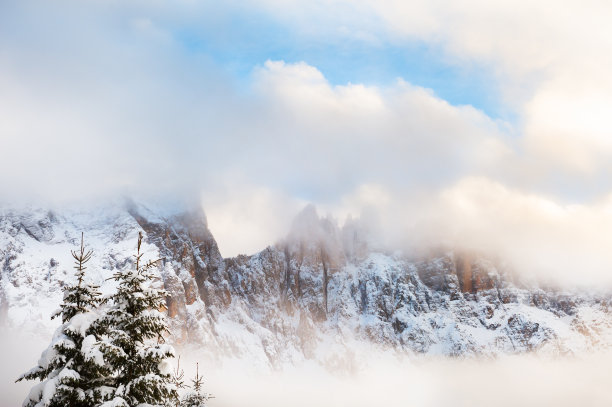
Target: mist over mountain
x: 322, y: 293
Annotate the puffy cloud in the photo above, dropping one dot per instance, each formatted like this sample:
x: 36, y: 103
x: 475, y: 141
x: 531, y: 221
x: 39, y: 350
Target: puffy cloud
x: 551, y: 61
x: 403, y: 135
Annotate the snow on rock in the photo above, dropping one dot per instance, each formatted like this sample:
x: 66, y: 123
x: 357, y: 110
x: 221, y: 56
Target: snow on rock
x: 321, y: 294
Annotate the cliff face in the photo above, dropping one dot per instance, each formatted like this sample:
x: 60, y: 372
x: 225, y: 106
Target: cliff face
x: 320, y: 294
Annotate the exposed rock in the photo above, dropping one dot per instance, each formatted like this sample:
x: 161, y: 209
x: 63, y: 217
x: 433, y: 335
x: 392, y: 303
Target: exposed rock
x: 308, y: 297
x: 38, y: 227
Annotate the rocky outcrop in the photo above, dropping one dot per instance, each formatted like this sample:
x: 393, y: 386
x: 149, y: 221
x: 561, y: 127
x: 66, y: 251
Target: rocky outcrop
x: 185, y: 242
x: 319, y: 294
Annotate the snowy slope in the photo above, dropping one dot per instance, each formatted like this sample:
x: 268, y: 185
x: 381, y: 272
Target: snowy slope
x: 323, y: 293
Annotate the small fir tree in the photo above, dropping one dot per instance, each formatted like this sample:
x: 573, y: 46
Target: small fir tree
x: 178, y: 375
x: 197, y: 397
x: 135, y: 345
x: 71, y: 369
x: 177, y: 379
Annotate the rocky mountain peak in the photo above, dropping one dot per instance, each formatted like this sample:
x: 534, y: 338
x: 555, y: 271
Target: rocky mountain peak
x: 315, y: 237
x: 317, y: 294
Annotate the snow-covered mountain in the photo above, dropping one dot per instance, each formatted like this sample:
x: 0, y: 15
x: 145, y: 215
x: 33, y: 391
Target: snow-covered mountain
x: 323, y: 293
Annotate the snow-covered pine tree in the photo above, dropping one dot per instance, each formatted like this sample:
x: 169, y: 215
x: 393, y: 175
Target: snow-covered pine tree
x: 197, y: 397
x: 177, y: 375
x: 135, y: 345
x: 71, y: 370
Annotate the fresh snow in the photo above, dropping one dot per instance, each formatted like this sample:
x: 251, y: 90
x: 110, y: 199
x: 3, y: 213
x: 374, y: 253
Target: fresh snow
x: 36, y: 263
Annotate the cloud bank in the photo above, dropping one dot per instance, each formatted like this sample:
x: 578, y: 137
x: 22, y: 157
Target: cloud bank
x: 524, y: 380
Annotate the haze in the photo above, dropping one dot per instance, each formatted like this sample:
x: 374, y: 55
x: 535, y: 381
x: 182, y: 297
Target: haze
x: 379, y: 379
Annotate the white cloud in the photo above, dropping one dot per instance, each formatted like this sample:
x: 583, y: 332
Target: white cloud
x: 245, y: 218
x: 534, y: 235
x: 552, y: 61
x: 354, y: 131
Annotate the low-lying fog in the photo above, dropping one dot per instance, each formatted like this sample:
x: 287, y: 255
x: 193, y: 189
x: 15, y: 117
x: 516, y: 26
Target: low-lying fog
x: 525, y: 380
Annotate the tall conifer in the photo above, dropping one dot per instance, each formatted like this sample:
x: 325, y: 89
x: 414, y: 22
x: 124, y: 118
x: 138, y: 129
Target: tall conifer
x: 135, y: 345
x: 72, y: 370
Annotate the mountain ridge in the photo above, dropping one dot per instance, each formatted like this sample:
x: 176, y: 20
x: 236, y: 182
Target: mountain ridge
x: 319, y: 294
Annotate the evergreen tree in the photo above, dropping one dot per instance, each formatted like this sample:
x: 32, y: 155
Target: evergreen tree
x: 197, y: 397
x: 71, y: 370
x: 177, y: 375
x: 134, y: 346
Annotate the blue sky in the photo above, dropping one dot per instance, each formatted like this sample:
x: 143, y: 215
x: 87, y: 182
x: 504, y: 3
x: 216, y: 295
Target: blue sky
x: 241, y: 41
